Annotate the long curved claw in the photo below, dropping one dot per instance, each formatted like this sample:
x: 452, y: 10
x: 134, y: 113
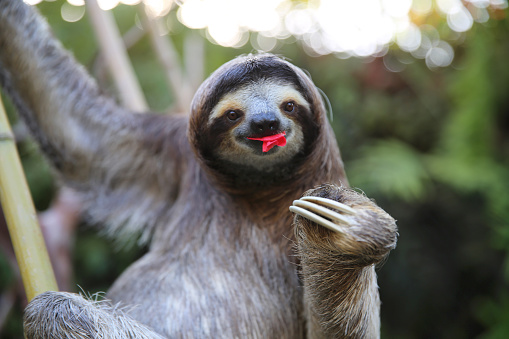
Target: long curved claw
x: 313, y: 209
x: 330, y: 203
x: 316, y: 218
x: 325, y: 212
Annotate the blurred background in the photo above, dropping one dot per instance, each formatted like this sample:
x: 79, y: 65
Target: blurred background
x: 419, y: 92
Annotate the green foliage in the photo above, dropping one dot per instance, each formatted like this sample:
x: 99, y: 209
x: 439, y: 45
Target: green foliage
x: 494, y: 315
x: 99, y: 261
x: 465, y: 157
x: 38, y: 174
x: 8, y: 277
x: 468, y: 157
x: 390, y: 168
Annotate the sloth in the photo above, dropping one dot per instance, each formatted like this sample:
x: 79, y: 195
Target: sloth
x: 253, y: 231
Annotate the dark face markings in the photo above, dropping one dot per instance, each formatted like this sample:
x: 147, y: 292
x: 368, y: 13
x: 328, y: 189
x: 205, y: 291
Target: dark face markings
x: 251, y: 71
x: 233, y: 124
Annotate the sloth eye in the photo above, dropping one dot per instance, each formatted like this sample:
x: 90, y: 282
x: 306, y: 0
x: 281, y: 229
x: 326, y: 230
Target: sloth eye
x: 233, y: 115
x: 289, y: 107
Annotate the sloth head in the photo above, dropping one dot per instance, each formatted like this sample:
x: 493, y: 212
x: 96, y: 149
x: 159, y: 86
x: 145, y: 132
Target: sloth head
x: 251, y: 99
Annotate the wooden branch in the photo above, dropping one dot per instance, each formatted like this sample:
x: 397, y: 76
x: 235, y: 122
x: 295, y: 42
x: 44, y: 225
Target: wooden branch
x: 194, y: 59
x: 168, y: 57
x: 19, y: 210
x: 116, y: 57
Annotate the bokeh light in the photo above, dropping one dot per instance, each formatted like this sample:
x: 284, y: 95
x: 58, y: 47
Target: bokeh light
x: 345, y: 28
x: 72, y: 12
x: 32, y: 2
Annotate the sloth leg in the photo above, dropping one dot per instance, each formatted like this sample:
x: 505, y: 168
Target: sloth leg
x: 68, y: 315
x: 341, y: 236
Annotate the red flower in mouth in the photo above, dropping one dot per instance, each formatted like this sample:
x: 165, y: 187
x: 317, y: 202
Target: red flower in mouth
x: 271, y: 141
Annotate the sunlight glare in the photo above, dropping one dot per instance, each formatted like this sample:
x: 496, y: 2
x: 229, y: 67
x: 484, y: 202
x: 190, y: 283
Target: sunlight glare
x: 158, y: 8
x: 344, y: 28
x: 106, y: 5
x: 193, y: 14
x: 300, y: 21
x: 223, y: 22
x: 76, y: 2
x: 422, y: 7
x: 351, y: 26
x: 449, y: 6
x: 397, y: 8
x: 32, y: 2
x: 341, y: 27
x: 261, y: 15
x: 224, y: 34
x: 130, y: 2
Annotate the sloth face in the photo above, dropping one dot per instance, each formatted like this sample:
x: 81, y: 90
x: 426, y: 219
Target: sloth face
x: 258, y: 110
x: 244, y: 103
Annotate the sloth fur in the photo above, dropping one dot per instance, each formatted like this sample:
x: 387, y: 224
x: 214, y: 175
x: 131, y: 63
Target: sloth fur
x: 226, y: 257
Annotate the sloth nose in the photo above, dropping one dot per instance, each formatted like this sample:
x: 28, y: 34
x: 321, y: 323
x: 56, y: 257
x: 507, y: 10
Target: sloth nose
x: 265, y: 124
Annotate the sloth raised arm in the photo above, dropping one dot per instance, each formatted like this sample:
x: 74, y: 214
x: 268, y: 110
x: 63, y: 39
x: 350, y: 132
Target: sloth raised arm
x: 97, y: 146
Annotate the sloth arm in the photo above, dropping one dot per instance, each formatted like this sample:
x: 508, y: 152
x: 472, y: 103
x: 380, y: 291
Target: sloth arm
x: 338, y: 258
x: 110, y: 154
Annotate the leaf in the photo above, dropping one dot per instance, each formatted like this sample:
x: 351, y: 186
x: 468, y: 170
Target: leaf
x: 390, y: 167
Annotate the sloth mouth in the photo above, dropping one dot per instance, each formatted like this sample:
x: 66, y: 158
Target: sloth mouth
x: 270, y: 141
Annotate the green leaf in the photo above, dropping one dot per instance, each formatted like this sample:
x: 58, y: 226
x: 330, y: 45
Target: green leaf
x: 390, y: 168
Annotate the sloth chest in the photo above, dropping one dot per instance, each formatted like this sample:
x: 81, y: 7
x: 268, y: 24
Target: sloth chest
x: 207, y: 296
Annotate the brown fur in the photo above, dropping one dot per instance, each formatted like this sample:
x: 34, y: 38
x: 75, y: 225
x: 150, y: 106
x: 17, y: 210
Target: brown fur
x: 224, y: 259
x: 338, y: 269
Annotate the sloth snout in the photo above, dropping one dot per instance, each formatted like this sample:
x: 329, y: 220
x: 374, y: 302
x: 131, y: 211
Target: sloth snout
x: 265, y: 125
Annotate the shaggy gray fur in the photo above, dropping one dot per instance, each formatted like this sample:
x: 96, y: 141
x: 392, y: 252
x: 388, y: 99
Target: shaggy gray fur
x: 226, y: 257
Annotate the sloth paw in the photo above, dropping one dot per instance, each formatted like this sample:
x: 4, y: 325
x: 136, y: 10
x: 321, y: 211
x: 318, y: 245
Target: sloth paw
x: 359, y: 227
x: 317, y: 209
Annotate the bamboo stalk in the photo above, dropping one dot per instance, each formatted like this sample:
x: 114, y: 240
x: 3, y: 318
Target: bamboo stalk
x: 19, y: 211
